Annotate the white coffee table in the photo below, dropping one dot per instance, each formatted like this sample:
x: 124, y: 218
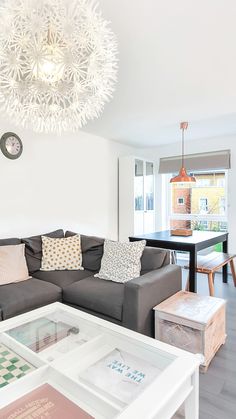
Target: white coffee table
x: 67, y: 346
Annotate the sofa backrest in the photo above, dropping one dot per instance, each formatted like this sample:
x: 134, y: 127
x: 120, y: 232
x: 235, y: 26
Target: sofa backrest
x: 154, y: 258
x: 10, y: 242
x: 92, y: 251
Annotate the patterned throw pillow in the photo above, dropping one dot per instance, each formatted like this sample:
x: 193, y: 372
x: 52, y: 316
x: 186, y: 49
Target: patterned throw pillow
x: 61, y: 254
x: 121, y: 261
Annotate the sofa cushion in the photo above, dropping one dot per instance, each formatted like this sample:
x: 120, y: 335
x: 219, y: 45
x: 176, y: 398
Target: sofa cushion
x: 61, y: 254
x: 27, y: 295
x: 92, y: 251
x: 154, y: 258
x: 33, y: 249
x: 62, y: 278
x: 95, y: 294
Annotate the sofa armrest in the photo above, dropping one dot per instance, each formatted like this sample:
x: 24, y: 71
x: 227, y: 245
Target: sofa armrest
x: 143, y: 293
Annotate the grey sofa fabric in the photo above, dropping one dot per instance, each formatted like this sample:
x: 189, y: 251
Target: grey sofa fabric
x: 92, y: 251
x: 94, y: 313
x: 143, y: 293
x: 17, y: 298
x: 9, y: 242
x: 62, y: 278
x: 130, y: 304
x: 154, y: 258
x: 98, y: 295
x: 33, y: 249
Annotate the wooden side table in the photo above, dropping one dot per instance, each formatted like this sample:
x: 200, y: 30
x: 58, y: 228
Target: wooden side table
x: 192, y: 322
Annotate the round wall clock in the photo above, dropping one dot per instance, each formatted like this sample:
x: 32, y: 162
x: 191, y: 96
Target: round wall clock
x: 11, y: 145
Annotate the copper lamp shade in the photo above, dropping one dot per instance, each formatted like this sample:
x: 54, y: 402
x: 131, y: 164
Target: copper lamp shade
x: 183, y: 176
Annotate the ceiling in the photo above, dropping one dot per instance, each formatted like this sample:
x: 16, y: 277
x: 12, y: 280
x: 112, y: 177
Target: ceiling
x: 177, y: 62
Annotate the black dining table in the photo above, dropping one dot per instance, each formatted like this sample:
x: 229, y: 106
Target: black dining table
x: 198, y: 241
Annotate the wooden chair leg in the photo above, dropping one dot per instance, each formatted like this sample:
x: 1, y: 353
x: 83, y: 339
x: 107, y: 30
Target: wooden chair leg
x: 187, y: 284
x: 211, y: 283
x: 233, y: 271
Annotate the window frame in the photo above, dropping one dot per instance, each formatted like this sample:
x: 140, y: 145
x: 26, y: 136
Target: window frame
x: 194, y: 217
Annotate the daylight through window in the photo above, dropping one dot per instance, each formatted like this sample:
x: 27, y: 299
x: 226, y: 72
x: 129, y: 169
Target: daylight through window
x: 200, y: 206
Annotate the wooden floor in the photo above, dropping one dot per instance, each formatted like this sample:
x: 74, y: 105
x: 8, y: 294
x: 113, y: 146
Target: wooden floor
x: 218, y: 385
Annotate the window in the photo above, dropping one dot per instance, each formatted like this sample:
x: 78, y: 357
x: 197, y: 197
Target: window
x: 144, y: 186
x: 203, y: 205
x: 200, y: 206
x: 149, y: 186
x: 138, y: 185
x: 203, y: 182
x: 221, y: 182
x: 222, y: 205
x: 180, y: 201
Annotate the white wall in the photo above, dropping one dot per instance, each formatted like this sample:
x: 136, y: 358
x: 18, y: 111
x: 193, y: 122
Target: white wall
x: 198, y: 146
x: 71, y: 182
x: 68, y: 182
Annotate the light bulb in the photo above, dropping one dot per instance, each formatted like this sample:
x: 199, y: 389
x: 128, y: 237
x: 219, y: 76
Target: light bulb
x: 50, y: 67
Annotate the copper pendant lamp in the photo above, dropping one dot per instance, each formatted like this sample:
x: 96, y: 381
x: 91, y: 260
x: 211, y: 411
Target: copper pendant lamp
x: 183, y: 176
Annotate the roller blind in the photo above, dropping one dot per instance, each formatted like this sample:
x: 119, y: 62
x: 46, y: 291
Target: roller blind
x: 216, y: 160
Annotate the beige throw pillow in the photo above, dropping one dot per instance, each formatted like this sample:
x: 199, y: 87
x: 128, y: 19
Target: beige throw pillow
x: 61, y: 254
x: 13, y: 267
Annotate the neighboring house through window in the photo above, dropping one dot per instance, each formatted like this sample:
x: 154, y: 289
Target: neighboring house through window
x: 221, y: 183
x: 203, y: 205
x: 199, y: 206
x: 222, y: 205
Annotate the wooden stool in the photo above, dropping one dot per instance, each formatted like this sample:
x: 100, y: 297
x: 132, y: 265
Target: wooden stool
x: 211, y: 263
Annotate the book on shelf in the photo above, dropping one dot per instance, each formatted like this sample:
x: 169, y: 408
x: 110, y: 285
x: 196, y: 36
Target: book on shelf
x: 43, y: 402
x: 42, y: 333
x: 120, y: 375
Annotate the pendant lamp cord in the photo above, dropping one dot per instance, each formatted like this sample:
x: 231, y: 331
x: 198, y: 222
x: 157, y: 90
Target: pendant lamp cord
x: 182, y: 147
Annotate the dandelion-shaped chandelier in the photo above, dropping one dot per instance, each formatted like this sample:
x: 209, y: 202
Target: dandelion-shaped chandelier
x: 58, y: 63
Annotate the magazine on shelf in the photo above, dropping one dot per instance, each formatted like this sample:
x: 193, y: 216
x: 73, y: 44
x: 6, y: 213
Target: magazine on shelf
x: 41, y: 333
x: 121, y: 375
x: 12, y: 366
x: 44, y: 402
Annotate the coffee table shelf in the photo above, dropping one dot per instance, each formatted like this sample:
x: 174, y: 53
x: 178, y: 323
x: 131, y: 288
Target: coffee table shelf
x: 106, y: 370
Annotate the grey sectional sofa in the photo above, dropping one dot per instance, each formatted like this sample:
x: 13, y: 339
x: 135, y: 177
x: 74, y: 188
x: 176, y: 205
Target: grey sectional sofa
x: 129, y: 305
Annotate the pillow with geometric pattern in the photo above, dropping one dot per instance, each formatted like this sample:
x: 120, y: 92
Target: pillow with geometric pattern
x: 61, y: 254
x: 121, y: 261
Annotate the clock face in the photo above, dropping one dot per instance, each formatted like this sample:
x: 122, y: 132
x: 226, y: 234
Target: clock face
x: 11, y: 145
